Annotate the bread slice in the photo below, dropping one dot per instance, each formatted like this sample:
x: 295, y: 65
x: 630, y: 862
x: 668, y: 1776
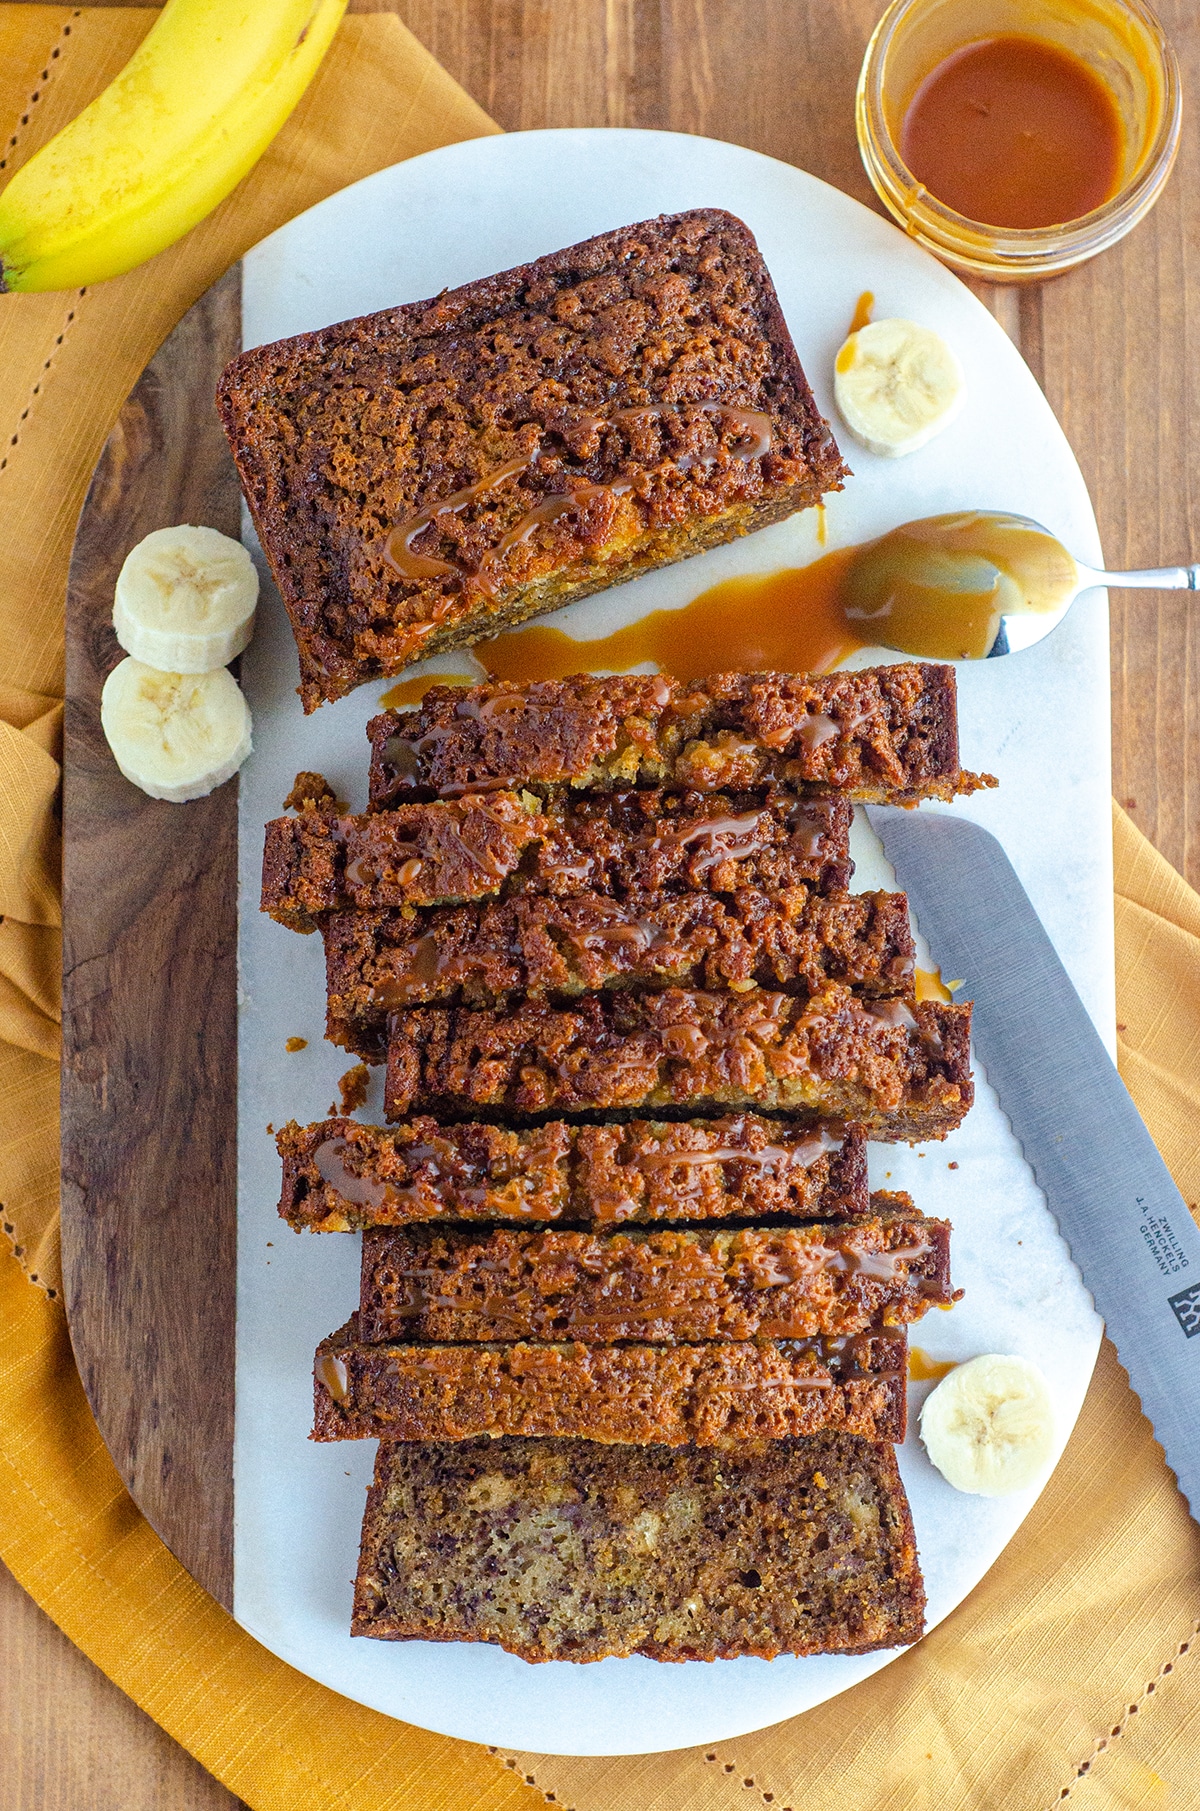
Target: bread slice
x: 538, y: 948
x: 663, y: 1287
x: 566, y: 1550
x: 431, y: 474
x: 903, y: 1072
x: 500, y: 844
x: 888, y: 734
x: 339, y: 1175
x: 718, y: 1394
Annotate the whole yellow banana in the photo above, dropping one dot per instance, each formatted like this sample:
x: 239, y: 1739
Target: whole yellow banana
x: 191, y: 112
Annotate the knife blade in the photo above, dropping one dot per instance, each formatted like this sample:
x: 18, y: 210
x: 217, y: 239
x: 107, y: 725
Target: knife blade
x: 1128, y: 1227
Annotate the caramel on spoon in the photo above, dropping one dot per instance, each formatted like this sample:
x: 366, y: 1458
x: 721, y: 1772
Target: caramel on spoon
x: 973, y: 585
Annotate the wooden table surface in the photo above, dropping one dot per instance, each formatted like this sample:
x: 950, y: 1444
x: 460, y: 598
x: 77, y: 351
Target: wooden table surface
x: 1115, y: 345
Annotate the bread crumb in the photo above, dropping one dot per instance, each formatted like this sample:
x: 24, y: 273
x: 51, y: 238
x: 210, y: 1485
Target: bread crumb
x: 312, y: 792
x: 353, y: 1089
x: 819, y: 1481
x: 952, y: 1166
x: 294, y: 1044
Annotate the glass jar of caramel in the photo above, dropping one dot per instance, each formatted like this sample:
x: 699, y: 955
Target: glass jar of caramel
x: 1017, y: 138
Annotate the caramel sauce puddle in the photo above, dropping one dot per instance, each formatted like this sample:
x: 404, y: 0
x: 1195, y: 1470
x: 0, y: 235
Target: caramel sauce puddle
x: 788, y: 621
x: 863, y: 310
x: 936, y: 589
x: 923, y: 1369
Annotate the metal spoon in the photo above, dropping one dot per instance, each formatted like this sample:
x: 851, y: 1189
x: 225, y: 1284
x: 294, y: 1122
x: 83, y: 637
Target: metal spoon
x: 976, y: 584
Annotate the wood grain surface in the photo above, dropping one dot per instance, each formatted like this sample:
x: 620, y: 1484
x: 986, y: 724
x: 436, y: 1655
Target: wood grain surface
x: 1113, y: 344
x: 149, y: 1077
x: 70, y: 1740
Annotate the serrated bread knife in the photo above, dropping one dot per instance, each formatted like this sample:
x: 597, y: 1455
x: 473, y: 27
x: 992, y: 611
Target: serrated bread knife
x: 1126, y: 1223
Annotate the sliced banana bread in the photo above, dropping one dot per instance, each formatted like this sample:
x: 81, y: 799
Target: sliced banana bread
x: 718, y: 1394
x: 904, y: 1072
x: 662, y: 1287
x: 537, y: 948
x: 884, y: 733
x: 417, y: 855
x: 483, y: 846
x: 339, y: 1175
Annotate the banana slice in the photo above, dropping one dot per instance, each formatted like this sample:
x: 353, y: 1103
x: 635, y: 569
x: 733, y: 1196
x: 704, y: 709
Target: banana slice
x: 897, y: 385
x: 989, y: 1425
x: 185, y: 600
x: 176, y: 735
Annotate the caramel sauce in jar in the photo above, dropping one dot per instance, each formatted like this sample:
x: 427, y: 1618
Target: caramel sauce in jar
x: 1015, y: 139
x: 1014, y: 131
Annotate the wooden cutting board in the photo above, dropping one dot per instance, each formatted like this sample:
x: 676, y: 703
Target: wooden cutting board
x: 149, y: 1077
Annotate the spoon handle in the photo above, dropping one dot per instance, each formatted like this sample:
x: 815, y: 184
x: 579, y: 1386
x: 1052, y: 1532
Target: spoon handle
x: 1161, y: 578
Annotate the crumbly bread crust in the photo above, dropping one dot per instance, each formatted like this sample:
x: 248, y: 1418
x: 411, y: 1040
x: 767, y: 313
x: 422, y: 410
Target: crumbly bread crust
x: 502, y: 844
x: 663, y: 1287
x: 565, y: 1550
x: 536, y: 948
x: 888, y: 734
x: 902, y: 1071
x: 716, y: 1394
x: 340, y: 1175
x: 424, y: 476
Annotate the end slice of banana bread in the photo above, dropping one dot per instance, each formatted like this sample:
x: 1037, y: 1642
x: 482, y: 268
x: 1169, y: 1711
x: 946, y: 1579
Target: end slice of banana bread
x: 567, y: 1550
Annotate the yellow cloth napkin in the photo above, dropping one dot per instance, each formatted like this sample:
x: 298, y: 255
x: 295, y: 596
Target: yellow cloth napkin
x: 1078, y: 1633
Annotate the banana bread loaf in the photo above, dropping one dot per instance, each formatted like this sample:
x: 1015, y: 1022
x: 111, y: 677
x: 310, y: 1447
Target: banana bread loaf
x: 508, y: 843
x: 903, y: 1072
x: 431, y: 474
x: 339, y: 1175
x: 567, y: 1550
x: 661, y: 1287
x: 712, y: 1395
x: 888, y: 734
x: 538, y: 948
